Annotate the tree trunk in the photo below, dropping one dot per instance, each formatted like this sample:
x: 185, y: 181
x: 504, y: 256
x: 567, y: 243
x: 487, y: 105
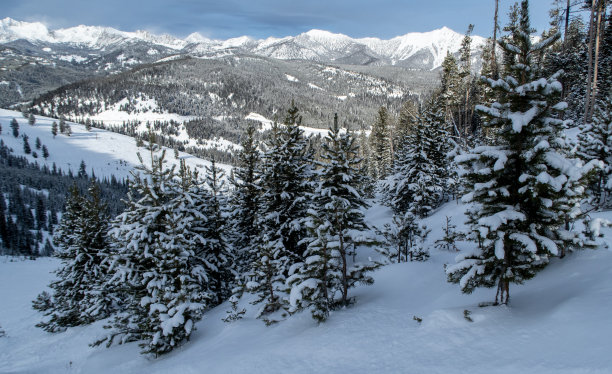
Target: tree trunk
x: 493, y: 54
x: 587, y: 102
x: 598, y: 31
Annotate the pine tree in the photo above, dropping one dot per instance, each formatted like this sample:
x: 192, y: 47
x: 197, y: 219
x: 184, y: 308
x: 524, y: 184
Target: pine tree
x: 286, y: 185
x: 407, y: 236
x: 595, y: 143
x: 524, y: 189
x: 217, y: 253
x: 380, y: 145
x: 79, y: 296
x: 337, y: 227
x: 419, y: 175
x: 54, y: 129
x: 154, y: 267
x: 82, y: 170
x: 38, y: 144
x: 31, y: 119
x: 62, y: 125
x: 15, y: 127
x: 67, y: 129
x: 45, y: 152
x: 26, y: 145
x: 245, y: 199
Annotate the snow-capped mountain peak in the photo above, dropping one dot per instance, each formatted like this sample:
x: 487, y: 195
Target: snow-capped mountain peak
x: 417, y: 50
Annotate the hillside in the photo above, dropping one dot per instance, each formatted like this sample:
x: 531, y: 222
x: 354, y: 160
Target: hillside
x: 105, y: 153
x: 557, y: 323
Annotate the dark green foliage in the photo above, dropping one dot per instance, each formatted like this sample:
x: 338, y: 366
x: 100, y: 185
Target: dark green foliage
x: 79, y: 294
x: 26, y: 145
x: 336, y: 231
x: 15, y: 127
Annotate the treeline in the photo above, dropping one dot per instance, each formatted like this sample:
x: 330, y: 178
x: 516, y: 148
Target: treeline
x: 33, y: 199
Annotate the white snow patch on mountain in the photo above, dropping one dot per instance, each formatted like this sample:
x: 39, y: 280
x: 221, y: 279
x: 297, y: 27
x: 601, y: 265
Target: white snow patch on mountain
x: 106, y: 153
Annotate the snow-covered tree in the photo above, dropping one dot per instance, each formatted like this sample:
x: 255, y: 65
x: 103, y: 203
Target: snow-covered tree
x: 79, y: 295
x: 337, y: 228
x: 525, y: 189
x: 153, y: 267
x: 419, y: 174
x: 286, y: 185
x: 405, y: 237
x: 595, y: 140
x: 15, y: 127
x: 217, y: 253
x: 245, y: 199
x: 380, y: 145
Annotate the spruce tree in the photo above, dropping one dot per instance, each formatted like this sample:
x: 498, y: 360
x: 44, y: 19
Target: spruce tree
x: 380, y: 145
x: 31, y: 119
x: 217, y: 253
x: 153, y: 265
x: 336, y: 227
x: 54, y: 129
x: 15, y: 127
x: 45, y: 152
x: 522, y: 188
x: 286, y: 186
x: 419, y: 175
x: 26, y: 145
x: 79, y: 295
x: 245, y: 199
x: 595, y: 143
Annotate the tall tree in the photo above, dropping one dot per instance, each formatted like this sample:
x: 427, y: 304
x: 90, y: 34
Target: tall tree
x: 337, y: 227
x: 153, y: 265
x: 380, y: 144
x: 522, y: 187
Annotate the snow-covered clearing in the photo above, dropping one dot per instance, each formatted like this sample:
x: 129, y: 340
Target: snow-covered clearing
x: 559, y: 322
x: 105, y: 152
x: 266, y: 124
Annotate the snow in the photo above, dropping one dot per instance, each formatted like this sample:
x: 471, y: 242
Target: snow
x: 266, y: 125
x: 559, y: 322
x: 105, y: 152
x: 291, y: 78
x: 311, y: 45
x: 147, y: 110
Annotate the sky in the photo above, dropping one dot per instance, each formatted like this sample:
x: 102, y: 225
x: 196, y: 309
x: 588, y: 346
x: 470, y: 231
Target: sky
x: 223, y: 19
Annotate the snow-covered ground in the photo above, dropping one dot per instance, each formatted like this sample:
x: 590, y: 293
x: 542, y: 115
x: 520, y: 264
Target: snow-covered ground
x: 559, y: 322
x: 103, y: 151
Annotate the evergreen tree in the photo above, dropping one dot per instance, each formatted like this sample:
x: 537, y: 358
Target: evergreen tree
x: 419, y: 175
x: 15, y: 127
x: 31, y: 119
x: 79, y: 295
x: 217, y: 253
x: 595, y: 143
x: 62, y: 125
x: 245, y: 199
x: 54, y: 129
x: 82, y: 170
x: 336, y: 227
x: 286, y: 185
x: 524, y: 189
x: 26, y: 145
x: 380, y: 145
x: 67, y: 129
x: 45, y: 152
x: 153, y: 267
x: 38, y: 143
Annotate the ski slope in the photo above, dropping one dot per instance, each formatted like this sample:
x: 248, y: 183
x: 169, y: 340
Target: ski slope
x: 559, y: 322
x: 104, y: 152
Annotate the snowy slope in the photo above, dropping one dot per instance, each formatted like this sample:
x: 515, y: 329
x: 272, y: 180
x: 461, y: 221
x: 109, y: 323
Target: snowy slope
x: 105, y: 152
x: 559, y: 322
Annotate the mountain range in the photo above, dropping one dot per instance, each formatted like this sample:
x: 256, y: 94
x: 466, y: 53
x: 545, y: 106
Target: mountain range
x: 413, y: 50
